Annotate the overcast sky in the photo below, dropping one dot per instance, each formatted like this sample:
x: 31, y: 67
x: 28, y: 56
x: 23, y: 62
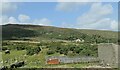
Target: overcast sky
x: 80, y: 15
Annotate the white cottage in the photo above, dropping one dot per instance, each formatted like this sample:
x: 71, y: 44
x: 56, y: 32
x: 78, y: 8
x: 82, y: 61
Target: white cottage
x: 79, y: 40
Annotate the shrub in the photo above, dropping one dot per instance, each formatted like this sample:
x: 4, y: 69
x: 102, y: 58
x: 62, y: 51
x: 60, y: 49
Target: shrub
x: 20, y: 47
x: 34, y: 50
x: 50, y: 52
x: 4, y: 48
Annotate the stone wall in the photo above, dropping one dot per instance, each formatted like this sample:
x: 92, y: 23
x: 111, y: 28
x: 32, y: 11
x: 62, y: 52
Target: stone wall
x: 108, y: 54
x: 65, y: 59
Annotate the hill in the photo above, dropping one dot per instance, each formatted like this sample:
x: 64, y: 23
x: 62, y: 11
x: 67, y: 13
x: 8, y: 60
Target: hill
x: 50, y: 41
x: 36, y: 32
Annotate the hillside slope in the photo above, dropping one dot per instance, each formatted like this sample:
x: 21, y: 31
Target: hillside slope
x: 15, y: 31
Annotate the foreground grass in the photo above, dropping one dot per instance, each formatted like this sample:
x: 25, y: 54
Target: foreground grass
x: 14, y: 56
x: 34, y: 61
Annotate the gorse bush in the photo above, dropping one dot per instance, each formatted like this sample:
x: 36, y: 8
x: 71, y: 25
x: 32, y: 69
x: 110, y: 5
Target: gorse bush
x: 33, y: 50
x: 50, y: 52
x: 20, y: 47
x: 82, y: 49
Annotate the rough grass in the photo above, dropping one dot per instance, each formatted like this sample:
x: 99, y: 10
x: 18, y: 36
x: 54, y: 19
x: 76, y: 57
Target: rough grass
x: 34, y: 61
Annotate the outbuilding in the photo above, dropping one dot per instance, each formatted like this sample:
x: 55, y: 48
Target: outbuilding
x: 53, y: 61
x: 79, y: 40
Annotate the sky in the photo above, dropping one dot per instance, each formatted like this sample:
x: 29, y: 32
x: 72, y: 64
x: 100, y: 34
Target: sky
x: 79, y: 15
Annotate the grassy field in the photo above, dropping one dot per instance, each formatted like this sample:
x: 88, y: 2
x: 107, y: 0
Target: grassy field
x: 34, y: 61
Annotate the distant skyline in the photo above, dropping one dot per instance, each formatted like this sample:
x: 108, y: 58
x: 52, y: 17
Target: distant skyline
x: 80, y: 15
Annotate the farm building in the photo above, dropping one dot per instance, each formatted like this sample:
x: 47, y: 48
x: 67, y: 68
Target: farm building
x: 108, y: 54
x: 79, y: 40
x: 53, y: 61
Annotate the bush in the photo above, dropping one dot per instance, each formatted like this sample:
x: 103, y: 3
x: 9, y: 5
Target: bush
x: 50, y: 52
x: 63, y: 50
x: 20, y: 47
x: 34, y: 50
x: 4, y: 48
